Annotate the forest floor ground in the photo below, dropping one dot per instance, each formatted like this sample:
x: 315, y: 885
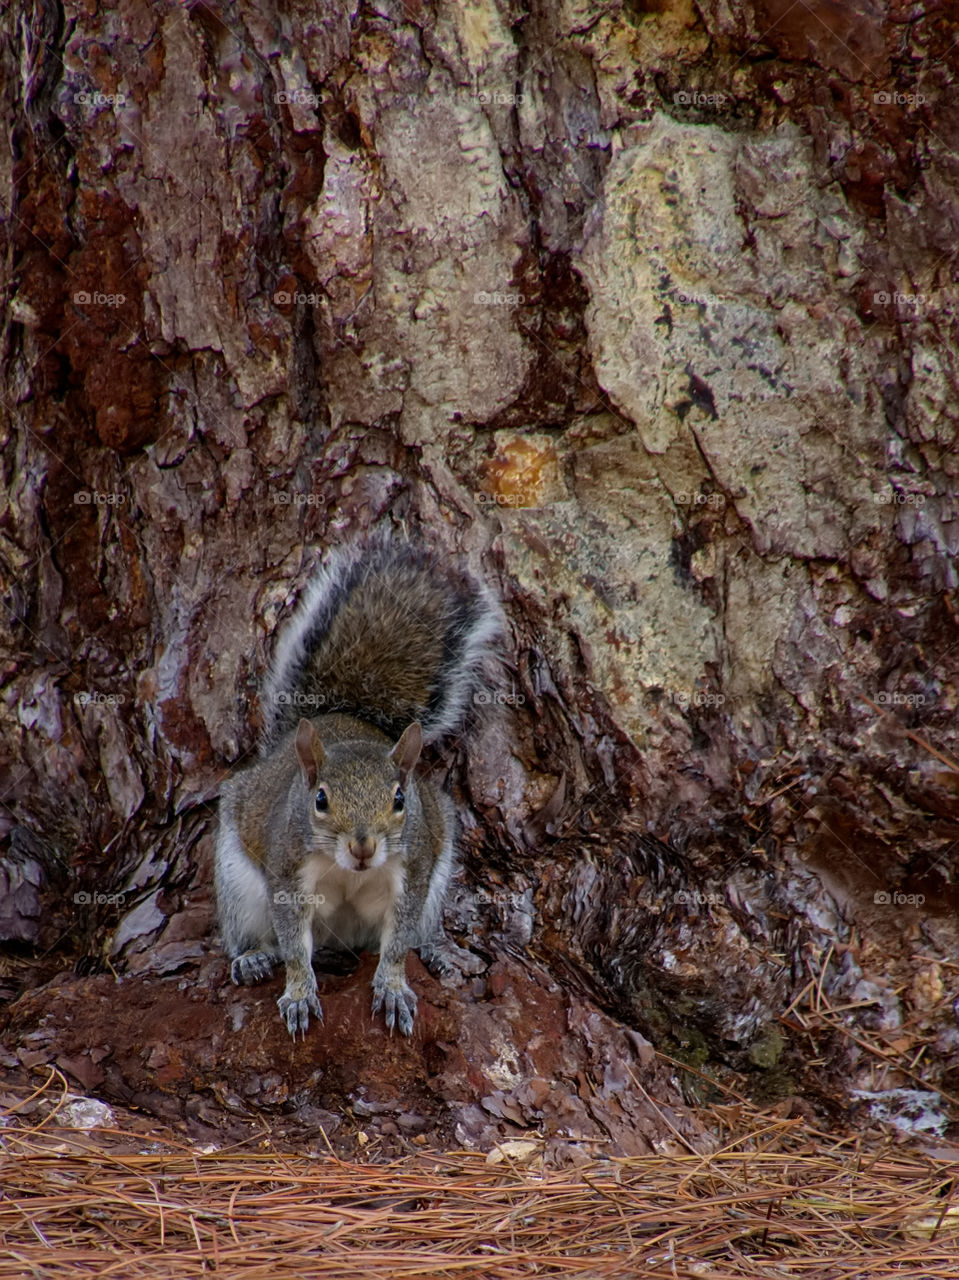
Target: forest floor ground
x: 776, y: 1197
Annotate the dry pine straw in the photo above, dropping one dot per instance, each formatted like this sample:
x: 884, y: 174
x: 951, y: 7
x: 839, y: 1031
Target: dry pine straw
x: 776, y: 1199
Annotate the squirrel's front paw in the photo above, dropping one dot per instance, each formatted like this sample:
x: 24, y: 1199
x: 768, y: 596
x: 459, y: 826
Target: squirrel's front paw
x: 397, y: 1000
x: 295, y: 1011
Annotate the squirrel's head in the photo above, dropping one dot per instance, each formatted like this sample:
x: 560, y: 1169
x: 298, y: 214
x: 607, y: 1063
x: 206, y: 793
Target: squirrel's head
x: 357, y: 795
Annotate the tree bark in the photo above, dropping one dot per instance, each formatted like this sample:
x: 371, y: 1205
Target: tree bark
x: 644, y: 312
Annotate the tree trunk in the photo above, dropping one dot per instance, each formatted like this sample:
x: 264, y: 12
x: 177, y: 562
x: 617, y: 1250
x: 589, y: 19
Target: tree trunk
x: 645, y: 312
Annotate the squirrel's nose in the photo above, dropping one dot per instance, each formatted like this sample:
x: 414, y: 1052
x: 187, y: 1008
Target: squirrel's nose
x: 362, y: 850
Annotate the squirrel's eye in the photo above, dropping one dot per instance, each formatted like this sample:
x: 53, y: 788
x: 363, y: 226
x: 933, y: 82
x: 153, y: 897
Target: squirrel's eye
x: 399, y: 801
x: 322, y: 801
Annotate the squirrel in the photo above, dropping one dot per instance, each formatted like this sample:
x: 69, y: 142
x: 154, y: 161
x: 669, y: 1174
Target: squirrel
x: 331, y: 840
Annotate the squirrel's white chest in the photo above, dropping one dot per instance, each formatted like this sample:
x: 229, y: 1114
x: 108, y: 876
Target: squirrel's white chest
x: 350, y: 908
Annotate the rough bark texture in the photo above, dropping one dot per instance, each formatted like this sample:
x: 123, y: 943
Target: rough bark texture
x: 647, y: 312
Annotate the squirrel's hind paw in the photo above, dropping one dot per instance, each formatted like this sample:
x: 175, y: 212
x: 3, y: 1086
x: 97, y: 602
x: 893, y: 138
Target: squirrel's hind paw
x: 252, y: 966
x: 398, y: 1002
x: 296, y: 1013
x: 450, y: 963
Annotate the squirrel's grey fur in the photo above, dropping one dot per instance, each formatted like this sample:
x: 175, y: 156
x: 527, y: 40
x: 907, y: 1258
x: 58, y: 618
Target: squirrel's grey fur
x: 373, y: 594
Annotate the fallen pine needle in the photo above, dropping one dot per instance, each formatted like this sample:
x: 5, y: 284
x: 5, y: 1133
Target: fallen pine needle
x: 776, y: 1199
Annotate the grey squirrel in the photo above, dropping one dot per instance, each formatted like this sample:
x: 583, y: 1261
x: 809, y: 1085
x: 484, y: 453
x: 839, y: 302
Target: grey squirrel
x: 332, y: 840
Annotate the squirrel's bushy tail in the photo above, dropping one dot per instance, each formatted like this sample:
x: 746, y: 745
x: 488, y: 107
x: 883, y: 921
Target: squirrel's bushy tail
x: 384, y: 634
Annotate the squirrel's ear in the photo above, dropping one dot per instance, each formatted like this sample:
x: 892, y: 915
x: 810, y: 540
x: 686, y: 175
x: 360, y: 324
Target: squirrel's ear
x: 309, y: 752
x: 407, y: 751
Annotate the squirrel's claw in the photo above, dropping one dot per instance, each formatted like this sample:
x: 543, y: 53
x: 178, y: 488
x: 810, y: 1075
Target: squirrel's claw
x: 252, y: 966
x: 450, y: 963
x: 398, y: 1004
x: 296, y: 1013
